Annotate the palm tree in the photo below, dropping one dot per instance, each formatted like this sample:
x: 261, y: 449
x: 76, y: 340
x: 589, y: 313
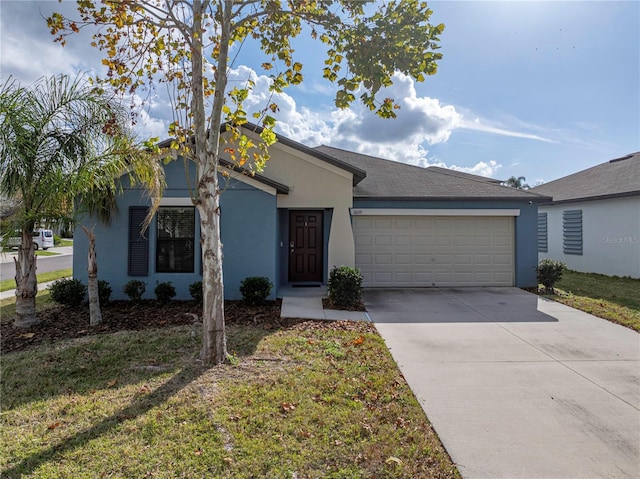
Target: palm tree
x: 518, y: 183
x: 60, y: 140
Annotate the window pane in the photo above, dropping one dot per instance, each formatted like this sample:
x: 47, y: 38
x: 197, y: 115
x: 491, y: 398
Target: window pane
x: 175, y: 243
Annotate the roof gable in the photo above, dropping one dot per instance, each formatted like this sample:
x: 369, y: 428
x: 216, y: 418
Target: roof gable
x: 615, y: 178
x: 395, y: 180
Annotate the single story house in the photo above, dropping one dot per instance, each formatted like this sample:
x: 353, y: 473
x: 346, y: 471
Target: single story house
x: 316, y: 208
x: 593, y: 222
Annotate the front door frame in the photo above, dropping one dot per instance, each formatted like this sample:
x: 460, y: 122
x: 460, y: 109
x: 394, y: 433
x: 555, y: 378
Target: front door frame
x: 309, y: 267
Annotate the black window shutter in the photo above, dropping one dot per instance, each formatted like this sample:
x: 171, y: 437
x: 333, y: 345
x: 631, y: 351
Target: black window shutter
x: 138, y: 264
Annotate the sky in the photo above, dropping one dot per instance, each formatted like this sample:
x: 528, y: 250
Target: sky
x: 533, y: 89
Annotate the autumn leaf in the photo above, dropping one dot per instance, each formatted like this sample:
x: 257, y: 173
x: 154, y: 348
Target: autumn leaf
x: 112, y: 383
x: 358, y: 341
x: 393, y: 459
x: 287, y: 406
x: 54, y: 425
x: 27, y: 335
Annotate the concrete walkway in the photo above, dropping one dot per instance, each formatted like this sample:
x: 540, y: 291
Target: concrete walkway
x: 306, y: 303
x: 517, y: 386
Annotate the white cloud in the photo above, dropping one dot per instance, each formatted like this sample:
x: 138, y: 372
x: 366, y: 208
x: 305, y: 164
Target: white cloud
x: 422, y: 121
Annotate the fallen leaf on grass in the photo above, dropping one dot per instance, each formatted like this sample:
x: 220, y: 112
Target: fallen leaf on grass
x: 54, y: 425
x: 393, y: 459
x: 27, y: 335
x: 112, y: 383
x: 358, y: 341
x: 287, y: 406
x: 198, y: 452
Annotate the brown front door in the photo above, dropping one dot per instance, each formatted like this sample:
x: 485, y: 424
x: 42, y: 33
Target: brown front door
x: 305, y: 246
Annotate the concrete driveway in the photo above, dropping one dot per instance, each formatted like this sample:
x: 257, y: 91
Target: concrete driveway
x: 517, y: 386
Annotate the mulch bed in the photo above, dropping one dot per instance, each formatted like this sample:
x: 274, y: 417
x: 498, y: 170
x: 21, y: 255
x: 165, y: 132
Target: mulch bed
x: 59, y: 322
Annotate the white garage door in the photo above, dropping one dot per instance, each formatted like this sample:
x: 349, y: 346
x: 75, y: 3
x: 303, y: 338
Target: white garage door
x: 435, y: 250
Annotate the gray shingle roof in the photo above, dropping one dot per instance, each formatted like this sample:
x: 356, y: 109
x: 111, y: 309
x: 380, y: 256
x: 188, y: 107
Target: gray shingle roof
x: 615, y: 178
x: 393, y: 180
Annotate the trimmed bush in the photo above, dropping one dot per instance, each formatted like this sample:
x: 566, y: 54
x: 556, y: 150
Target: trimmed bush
x: 69, y: 292
x: 164, y: 292
x: 104, y: 292
x: 134, y: 289
x: 255, y: 289
x: 345, y: 286
x: 195, y: 290
x: 549, y: 272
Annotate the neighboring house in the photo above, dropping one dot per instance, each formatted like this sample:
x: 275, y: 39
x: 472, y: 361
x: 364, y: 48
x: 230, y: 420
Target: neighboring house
x: 593, y: 222
x: 315, y: 208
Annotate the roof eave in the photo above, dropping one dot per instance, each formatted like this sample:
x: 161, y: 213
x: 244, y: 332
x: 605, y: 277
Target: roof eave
x: 625, y: 194
x: 532, y: 199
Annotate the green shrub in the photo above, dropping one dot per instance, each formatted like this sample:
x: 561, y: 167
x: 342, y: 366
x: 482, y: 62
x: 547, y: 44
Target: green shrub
x: 195, y: 289
x: 57, y: 241
x: 549, y: 272
x: 164, y: 292
x: 255, y: 289
x: 104, y: 291
x: 134, y: 289
x: 345, y: 286
x: 69, y: 292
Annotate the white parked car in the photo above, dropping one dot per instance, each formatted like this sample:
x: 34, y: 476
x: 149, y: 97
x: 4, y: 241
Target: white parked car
x: 42, y: 238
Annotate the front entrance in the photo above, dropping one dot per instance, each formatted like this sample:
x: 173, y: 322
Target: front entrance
x: 305, y: 246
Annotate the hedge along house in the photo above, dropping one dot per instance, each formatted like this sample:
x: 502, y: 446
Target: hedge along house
x: 315, y: 208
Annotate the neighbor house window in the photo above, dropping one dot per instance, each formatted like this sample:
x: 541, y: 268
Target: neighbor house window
x: 542, y: 233
x: 572, y: 231
x: 175, y: 239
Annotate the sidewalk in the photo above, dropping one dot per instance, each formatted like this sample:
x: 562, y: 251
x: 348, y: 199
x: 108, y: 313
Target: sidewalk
x: 12, y: 292
x: 306, y: 303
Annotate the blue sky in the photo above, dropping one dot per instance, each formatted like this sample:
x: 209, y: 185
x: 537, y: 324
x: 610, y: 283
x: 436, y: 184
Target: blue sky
x: 534, y: 89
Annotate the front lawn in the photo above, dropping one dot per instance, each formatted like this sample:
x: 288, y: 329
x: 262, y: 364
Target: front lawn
x: 300, y: 399
x: 609, y: 297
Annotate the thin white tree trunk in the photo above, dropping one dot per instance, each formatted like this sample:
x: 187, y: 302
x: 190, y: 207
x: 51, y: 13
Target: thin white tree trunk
x: 214, y: 342
x: 26, y: 283
x: 95, y: 314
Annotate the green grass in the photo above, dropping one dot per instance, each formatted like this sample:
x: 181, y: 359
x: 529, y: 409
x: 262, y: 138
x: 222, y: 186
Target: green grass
x: 46, y: 253
x: 307, y: 402
x: 64, y: 242
x: 8, y: 284
x: 609, y: 297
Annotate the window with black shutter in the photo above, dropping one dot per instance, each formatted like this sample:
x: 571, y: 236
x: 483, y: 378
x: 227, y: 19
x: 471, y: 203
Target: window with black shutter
x: 542, y: 233
x: 175, y: 239
x: 138, y: 259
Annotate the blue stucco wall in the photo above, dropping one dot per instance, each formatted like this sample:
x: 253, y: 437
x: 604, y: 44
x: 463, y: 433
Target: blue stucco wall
x: 248, y: 230
x: 526, y: 228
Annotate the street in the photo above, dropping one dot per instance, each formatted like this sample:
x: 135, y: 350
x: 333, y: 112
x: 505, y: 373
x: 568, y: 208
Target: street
x: 45, y: 264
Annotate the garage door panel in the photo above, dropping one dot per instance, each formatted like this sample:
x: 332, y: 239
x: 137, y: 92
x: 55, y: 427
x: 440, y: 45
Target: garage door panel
x: 435, y: 251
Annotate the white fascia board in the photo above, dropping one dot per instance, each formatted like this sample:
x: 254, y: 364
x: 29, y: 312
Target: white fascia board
x: 433, y: 212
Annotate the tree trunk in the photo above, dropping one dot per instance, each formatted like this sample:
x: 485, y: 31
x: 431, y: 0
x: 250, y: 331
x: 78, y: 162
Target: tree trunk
x: 214, y: 342
x: 26, y: 283
x: 95, y: 314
